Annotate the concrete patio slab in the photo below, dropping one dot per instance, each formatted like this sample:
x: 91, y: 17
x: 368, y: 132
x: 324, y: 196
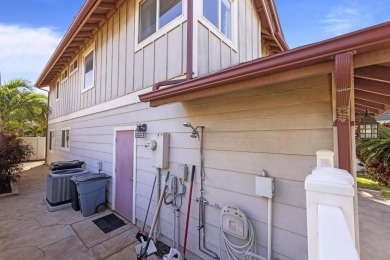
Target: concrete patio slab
x: 374, y: 225
x: 91, y: 235
x: 29, y: 231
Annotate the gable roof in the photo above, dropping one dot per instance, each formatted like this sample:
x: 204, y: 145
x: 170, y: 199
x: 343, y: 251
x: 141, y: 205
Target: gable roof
x: 95, y: 13
x: 371, y: 48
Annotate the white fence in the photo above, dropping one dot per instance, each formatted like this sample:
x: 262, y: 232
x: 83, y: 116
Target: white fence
x: 39, y: 145
x: 330, y: 211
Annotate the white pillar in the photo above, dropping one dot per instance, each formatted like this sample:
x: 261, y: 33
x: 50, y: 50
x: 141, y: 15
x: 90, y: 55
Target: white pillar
x: 325, y: 158
x: 332, y: 187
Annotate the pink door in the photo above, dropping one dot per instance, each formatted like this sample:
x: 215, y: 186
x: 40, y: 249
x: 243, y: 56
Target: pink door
x: 124, y: 154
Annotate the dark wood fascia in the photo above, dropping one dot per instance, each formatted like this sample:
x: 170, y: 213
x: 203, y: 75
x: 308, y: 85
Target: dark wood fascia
x: 91, y: 26
x: 378, y: 87
x: 375, y: 72
x: 371, y: 110
x: 99, y: 17
x: 367, y: 103
x: 108, y: 6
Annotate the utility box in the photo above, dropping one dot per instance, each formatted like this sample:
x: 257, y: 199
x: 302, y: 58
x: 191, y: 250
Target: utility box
x: 265, y: 186
x: 160, y: 155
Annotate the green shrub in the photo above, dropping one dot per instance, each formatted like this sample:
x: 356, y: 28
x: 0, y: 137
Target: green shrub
x: 375, y: 155
x: 13, y: 151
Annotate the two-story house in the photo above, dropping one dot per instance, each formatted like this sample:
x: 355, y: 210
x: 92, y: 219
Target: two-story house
x: 221, y: 64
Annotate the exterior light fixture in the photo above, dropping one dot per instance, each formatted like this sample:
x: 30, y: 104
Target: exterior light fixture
x: 368, y: 127
x: 140, y: 130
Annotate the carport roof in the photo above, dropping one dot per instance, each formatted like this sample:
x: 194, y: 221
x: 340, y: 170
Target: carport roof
x: 371, y: 49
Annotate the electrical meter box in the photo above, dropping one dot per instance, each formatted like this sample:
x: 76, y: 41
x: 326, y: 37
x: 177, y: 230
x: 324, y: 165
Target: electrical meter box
x: 160, y: 155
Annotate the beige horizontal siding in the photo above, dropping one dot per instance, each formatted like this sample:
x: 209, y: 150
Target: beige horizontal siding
x: 277, y: 128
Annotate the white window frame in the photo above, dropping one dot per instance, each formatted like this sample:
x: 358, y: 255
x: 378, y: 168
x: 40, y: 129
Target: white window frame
x: 63, y: 79
x: 159, y: 32
x: 58, y: 90
x: 52, y: 140
x: 232, y: 43
x: 70, y: 136
x: 85, y: 54
x: 73, y: 70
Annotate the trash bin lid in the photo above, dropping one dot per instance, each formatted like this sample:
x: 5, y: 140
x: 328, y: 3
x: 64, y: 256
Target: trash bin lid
x: 59, y: 165
x: 91, y: 177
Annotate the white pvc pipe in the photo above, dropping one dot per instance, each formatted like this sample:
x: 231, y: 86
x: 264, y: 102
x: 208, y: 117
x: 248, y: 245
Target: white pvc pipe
x: 269, y: 228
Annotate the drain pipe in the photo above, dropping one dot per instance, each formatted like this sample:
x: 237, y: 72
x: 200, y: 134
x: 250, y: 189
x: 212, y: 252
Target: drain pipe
x: 158, y: 183
x: 202, y: 206
x: 190, y: 37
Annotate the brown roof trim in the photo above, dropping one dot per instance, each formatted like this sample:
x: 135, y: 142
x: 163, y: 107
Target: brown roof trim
x: 270, y: 21
x: 90, y: 6
x: 87, y: 7
x: 361, y: 41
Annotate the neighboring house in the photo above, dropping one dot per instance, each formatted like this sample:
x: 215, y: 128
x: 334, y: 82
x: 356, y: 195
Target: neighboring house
x: 384, y: 118
x: 269, y: 113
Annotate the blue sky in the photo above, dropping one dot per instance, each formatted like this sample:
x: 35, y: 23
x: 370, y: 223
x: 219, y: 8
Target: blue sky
x: 30, y: 30
x: 308, y: 21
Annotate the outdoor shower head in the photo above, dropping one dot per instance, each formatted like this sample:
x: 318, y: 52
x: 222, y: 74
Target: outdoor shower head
x: 195, y: 132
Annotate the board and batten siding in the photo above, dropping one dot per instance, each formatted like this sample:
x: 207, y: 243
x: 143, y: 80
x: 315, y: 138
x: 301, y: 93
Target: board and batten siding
x: 277, y: 128
x: 216, y: 53
x: 122, y: 68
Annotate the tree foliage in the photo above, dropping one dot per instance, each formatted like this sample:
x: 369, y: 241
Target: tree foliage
x: 375, y: 155
x: 13, y: 151
x: 21, y: 109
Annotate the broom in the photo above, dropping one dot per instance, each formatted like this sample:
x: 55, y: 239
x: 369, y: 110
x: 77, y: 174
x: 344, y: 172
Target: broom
x: 141, y: 233
x: 144, y: 250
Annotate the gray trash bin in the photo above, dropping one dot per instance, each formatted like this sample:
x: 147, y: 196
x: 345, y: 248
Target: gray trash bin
x: 92, y: 192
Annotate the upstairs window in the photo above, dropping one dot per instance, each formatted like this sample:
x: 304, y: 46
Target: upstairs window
x: 89, y: 69
x: 155, y: 14
x: 219, y: 13
x: 58, y: 90
x: 73, y: 67
x: 64, y: 75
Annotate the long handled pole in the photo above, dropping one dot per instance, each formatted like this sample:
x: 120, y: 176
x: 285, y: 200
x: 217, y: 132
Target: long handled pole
x: 141, y: 233
x: 156, y: 214
x: 188, y: 212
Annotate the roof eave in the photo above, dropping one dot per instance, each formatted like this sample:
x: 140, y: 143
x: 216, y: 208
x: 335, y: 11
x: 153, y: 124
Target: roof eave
x: 69, y: 35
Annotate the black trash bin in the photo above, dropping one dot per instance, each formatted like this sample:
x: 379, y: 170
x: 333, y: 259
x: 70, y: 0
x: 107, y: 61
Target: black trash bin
x: 74, y: 194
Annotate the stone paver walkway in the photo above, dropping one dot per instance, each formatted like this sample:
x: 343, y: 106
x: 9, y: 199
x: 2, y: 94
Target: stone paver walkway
x: 374, y: 225
x: 29, y: 231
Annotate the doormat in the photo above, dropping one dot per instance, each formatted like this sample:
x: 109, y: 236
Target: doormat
x: 109, y: 223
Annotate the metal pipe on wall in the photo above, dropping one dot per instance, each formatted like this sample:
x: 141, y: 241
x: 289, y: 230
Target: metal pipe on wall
x: 202, y: 205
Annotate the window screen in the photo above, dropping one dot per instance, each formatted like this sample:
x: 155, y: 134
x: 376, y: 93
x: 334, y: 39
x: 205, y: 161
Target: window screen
x: 147, y: 19
x: 88, y: 76
x: 169, y: 10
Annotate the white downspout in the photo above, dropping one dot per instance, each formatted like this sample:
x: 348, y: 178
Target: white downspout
x: 269, y: 247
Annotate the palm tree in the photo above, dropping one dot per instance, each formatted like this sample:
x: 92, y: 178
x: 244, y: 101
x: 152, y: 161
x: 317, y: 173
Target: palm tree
x: 20, y: 105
